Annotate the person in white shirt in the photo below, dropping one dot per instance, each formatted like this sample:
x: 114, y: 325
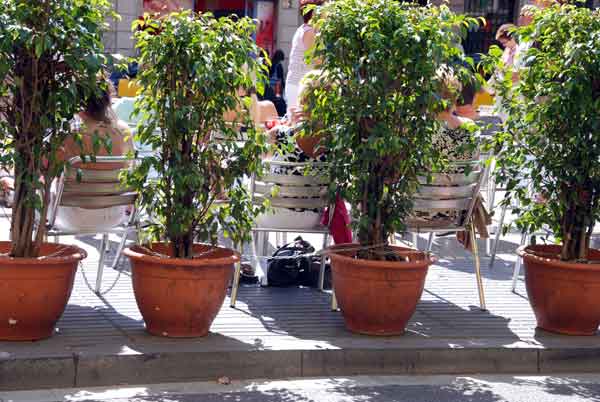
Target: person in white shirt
x: 303, y: 40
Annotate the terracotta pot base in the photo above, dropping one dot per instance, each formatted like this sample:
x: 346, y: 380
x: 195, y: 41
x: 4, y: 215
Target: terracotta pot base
x: 34, y: 291
x: 378, y: 297
x: 180, y: 298
x: 564, y: 296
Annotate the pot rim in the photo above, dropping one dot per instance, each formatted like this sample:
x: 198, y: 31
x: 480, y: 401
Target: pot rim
x: 429, y: 257
x: 526, y: 252
x: 188, y: 262
x: 77, y: 255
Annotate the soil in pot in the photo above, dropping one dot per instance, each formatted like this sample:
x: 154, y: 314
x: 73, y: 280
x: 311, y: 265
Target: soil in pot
x: 179, y: 297
x: 34, y: 291
x: 378, y: 297
x: 565, y: 296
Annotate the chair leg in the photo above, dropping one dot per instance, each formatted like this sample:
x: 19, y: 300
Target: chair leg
x: 236, y: 276
x: 517, y: 267
x: 101, y: 263
x: 120, y: 250
x: 322, y: 268
x: 430, y: 241
x: 265, y: 243
x: 257, y: 244
x: 497, y: 236
x: 334, y: 304
x: 477, y: 267
x: 491, y: 185
x: 491, y: 198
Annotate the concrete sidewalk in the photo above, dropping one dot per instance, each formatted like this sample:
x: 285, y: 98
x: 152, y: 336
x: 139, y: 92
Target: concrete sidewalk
x: 281, y: 333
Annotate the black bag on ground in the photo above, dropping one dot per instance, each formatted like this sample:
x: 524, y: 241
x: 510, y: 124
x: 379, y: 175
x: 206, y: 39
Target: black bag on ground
x: 295, y: 264
x: 289, y: 263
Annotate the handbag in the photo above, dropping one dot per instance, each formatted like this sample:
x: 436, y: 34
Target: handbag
x: 295, y: 264
x: 290, y: 264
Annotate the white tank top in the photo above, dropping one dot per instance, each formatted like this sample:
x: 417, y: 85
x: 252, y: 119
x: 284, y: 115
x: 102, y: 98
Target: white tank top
x: 297, y: 67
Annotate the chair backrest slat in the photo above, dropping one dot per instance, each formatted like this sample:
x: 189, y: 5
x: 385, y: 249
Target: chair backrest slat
x: 289, y: 191
x: 451, y: 179
x: 294, y: 203
x: 292, y: 191
x: 445, y: 192
x: 294, y: 180
x: 447, y: 201
x: 459, y: 204
x: 96, y: 202
x: 94, y: 188
x: 93, y: 176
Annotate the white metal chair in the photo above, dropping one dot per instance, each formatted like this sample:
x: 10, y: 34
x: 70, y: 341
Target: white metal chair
x: 451, y: 192
x: 491, y: 124
x: 94, y: 189
x: 283, y: 191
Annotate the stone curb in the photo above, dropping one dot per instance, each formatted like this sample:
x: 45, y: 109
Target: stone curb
x: 86, y: 370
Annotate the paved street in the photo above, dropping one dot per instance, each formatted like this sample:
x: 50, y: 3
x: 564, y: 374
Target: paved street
x: 567, y: 388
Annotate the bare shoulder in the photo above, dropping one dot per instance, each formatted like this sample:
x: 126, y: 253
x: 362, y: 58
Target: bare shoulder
x: 122, y: 127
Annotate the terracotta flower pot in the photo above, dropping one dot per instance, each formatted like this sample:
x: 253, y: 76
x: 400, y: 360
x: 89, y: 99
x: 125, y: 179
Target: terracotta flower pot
x: 378, y: 297
x: 34, y: 291
x: 179, y: 297
x: 565, y: 296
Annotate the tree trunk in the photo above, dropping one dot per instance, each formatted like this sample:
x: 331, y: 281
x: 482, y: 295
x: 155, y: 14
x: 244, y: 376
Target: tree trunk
x: 373, y: 236
x: 576, y: 233
x: 23, y: 213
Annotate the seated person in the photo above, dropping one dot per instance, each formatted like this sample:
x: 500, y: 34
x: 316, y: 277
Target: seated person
x: 293, y: 147
x: 260, y: 111
x: 97, y: 119
x: 456, y: 141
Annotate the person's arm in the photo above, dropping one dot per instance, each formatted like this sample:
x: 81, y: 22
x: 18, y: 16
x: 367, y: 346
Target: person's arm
x: 309, y: 38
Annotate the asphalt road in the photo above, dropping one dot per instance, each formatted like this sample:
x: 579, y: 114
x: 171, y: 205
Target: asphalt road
x: 569, y: 388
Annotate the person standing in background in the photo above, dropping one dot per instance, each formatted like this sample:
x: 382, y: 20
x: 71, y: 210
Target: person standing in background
x: 275, y: 89
x: 276, y: 76
x: 304, y: 39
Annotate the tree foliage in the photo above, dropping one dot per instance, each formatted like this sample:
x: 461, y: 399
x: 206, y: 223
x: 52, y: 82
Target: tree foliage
x: 379, y: 113
x: 50, y: 55
x: 549, y: 150
x: 194, y: 69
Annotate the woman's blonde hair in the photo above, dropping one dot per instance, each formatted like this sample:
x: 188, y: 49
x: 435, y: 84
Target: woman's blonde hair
x: 450, y: 86
x: 505, y: 31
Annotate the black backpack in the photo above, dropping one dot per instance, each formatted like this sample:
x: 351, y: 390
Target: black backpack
x: 295, y: 264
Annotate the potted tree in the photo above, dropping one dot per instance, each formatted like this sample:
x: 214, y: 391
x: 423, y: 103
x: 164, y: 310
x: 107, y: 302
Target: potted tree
x: 194, y: 70
x: 549, y: 158
x: 378, y: 120
x: 50, y: 54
